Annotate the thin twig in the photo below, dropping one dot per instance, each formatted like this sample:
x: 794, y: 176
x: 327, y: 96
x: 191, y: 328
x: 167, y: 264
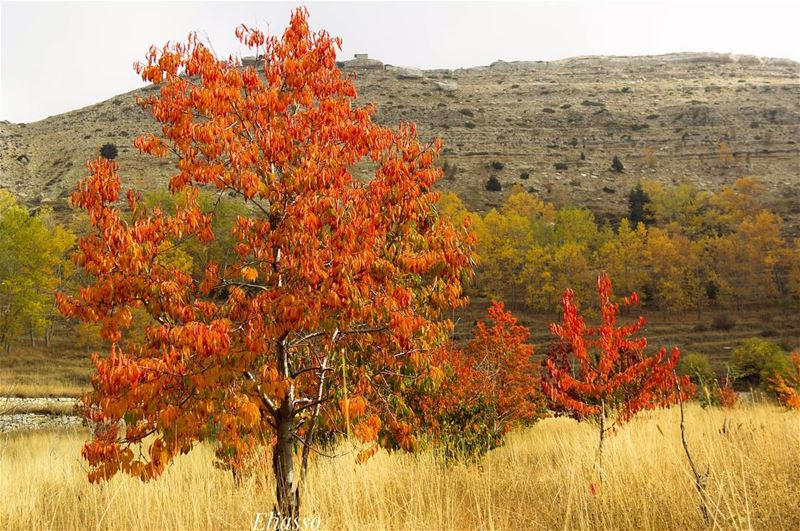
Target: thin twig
x: 700, y: 480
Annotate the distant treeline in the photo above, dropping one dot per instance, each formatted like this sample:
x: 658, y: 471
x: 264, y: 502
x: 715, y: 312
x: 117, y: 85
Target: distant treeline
x: 680, y: 248
x: 35, y: 264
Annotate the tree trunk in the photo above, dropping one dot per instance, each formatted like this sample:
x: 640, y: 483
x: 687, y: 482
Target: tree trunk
x: 286, y: 493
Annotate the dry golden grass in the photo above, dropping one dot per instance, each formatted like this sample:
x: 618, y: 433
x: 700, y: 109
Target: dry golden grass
x: 539, y: 480
x: 59, y: 370
x: 40, y: 388
x: 39, y: 409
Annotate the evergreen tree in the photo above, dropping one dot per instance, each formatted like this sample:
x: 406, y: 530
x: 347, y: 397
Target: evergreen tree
x: 638, y: 206
x: 616, y: 165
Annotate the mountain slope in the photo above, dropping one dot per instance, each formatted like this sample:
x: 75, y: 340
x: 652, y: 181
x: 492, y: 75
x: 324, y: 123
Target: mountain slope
x: 706, y: 119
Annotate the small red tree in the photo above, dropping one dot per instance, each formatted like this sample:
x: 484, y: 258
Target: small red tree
x: 602, y: 373
x: 488, y: 387
x: 330, y: 284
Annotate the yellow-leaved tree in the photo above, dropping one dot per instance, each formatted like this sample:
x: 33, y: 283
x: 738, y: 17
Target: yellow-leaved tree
x: 31, y: 264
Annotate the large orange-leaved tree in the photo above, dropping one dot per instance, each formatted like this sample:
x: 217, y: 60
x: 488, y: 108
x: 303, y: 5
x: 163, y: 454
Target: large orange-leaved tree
x: 331, y: 295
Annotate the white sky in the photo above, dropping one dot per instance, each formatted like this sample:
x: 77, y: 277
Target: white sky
x: 56, y: 57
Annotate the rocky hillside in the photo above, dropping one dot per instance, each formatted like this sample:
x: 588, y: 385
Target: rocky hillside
x: 551, y: 127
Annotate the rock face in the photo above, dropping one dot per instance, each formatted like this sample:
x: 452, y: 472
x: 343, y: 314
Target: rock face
x: 447, y: 86
x: 36, y: 421
x: 405, y: 72
x: 37, y: 413
x: 695, y: 115
x: 527, y: 115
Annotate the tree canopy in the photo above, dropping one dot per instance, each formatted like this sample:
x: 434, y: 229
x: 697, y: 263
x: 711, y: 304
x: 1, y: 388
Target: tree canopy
x: 30, y: 267
x: 333, y: 291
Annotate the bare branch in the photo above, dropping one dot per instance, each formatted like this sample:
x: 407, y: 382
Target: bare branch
x: 310, y: 433
x: 268, y: 403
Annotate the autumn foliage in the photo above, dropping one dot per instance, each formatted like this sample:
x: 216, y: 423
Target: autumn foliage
x: 787, y: 387
x: 603, y: 373
x: 330, y: 284
x: 488, y: 387
x: 683, y: 250
x: 724, y: 394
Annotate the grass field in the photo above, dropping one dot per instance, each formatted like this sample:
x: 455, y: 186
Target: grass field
x: 59, y: 370
x: 539, y: 480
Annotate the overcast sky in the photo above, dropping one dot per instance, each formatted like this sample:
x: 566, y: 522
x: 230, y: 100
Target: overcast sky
x: 57, y: 57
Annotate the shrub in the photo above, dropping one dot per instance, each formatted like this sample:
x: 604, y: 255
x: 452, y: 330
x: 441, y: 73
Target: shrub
x: 524, y: 175
x: 697, y: 367
x: 723, y: 321
x: 616, y: 165
x: 723, y: 394
x: 560, y: 166
x: 497, y: 165
x: 467, y: 112
x: 449, y: 171
x: 493, y: 185
x: 108, y: 151
x: 465, y: 431
x: 717, y: 392
x: 469, y: 125
x: 756, y: 360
